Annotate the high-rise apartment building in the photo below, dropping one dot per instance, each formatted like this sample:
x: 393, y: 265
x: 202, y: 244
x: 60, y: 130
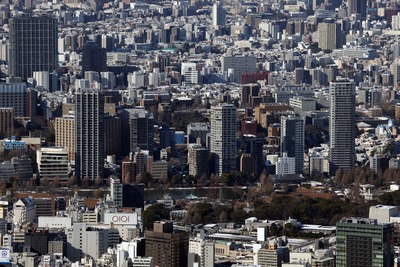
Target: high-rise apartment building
x: 341, y: 125
x: 292, y: 139
x: 363, y: 242
x: 33, y: 45
x: 89, y: 110
x: 168, y: 248
x: 223, y: 138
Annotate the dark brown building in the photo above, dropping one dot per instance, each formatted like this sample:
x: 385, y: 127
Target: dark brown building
x: 167, y: 247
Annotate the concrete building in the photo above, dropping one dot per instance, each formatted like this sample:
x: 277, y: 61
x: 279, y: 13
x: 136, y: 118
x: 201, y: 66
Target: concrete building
x: 198, y: 160
x: 18, y: 97
x: 363, y: 242
x: 190, y: 73
x: 116, y: 192
x: 168, y: 248
x: 42, y: 79
x: 94, y: 58
x: 24, y: 211
x: 286, y: 165
x: 329, y: 35
x: 84, y: 240
x: 240, y: 64
x: 89, y: 134
x: 223, y: 138
x: 201, y: 252
x: 198, y: 132
x: 33, y: 44
x: 292, y: 140
x: 218, y: 15
x: 53, y: 163
x: 341, y: 125
x: 7, y: 121
x: 383, y: 213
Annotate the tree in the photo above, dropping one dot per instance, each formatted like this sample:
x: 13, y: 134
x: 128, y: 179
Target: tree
x: 98, y: 181
x: 154, y: 213
x: 44, y: 182
x: 85, y: 182
x: 72, y: 181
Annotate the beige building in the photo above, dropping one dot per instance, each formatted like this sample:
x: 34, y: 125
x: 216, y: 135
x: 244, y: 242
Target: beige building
x: 65, y: 134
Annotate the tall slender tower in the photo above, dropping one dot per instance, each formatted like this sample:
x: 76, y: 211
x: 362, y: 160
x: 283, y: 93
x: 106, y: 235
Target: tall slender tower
x: 218, y: 15
x: 89, y: 134
x: 341, y: 125
x: 223, y: 137
x: 33, y: 45
x: 292, y: 140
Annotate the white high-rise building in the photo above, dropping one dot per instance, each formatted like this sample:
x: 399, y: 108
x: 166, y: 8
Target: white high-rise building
x: 223, y: 138
x: 190, y: 73
x: 292, y: 139
x: 341, y: 125
x: 42, y: 79
x: 286, y: 165
x: 116, y: 191
x: 201, y: 253
x: 108, y: 79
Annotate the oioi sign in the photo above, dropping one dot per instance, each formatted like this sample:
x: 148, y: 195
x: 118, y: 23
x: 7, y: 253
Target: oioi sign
x: 120, y: 218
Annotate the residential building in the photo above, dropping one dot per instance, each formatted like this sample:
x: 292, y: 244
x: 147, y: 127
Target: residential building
x: 223, y: 138
x: 201, y: 252
x: 198, y: 160
x: 89, y: 134
x: 292, y: 139
x: 53, y: 163
x: 341, y: 125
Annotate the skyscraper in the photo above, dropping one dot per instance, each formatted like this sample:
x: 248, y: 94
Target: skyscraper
x: 33, y: 45
x: 292, y: 139
x: 329, y: 35
x: 89, y: 134
x: 341, y: 125
x: 223, y: 137
x: 94, y: 58
x: 363, y: 242
x: 357, y: 7
x: 218, y: 15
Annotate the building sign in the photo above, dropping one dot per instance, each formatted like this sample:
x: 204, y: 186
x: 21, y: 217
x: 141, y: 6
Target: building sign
x: 120, y: 218
x: 4, y: 255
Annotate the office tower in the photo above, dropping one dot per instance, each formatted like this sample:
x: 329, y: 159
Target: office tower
x: 292, y: 139
x: 249, y: 91
x: 128, y: 171
x: 201, y: 252
x: 138, y: 128
x: 116, y: 192
x: 223, y: 138
x: 89, y: 110
x: 189, y: 73
x: 329, y: 35
x: 168, y: 247
x: 65, y: 134
x: 108, y: 79
x: 363, y: 242
x: 7, y: 121
x: 33, y: 45
x: 163, y: 61
x: 42, y: 79
x: 341, y: 125
x: 198, y: 160
x: 272, y: 255
x: 218, y: 15
x: 239, y: 64
x: 94, y: 58
x: 53, y: 163
x: 357, y: 7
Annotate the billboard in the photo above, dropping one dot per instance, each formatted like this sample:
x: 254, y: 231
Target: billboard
x: 4, y: 255
x: 121, y: 218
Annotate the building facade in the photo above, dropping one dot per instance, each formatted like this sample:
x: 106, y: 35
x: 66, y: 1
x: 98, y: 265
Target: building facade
x: 292, y: 139
x: 33, y: 45
x: 223, y: 138
x: 341, y: 125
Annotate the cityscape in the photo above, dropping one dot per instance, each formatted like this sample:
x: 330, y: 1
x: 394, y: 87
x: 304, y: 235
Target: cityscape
x: 199, y: 133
